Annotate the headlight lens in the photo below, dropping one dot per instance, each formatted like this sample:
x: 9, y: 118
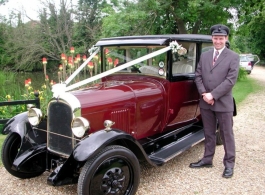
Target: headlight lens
x: 34, y: 116
x: 79, y: 126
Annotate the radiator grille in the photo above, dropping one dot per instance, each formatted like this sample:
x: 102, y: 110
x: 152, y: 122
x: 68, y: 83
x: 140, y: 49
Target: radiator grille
x: 60, y: 137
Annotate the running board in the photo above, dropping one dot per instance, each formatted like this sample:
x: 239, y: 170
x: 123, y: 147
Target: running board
x: 175, y: 148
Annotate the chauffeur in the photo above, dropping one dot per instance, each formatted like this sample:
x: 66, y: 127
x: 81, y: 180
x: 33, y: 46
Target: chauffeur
x: 216, y: 75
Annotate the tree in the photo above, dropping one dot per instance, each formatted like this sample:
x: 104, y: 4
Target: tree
x: 27, y: 43
x: 89, y: 16
x: 168, y: 16
x: 2, y: 2
x: 251, y: 27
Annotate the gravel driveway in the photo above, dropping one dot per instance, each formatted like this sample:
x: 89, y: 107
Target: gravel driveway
x: 176, y: 177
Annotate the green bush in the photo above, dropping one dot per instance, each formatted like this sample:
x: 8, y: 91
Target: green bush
x: 242, y: 74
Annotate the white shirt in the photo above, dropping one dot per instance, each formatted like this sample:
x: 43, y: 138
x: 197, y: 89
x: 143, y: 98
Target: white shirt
x: 220, y: 51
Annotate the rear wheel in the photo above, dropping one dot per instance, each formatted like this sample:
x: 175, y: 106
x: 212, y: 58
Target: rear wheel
x: 114, y: 171
x: 10, y: 150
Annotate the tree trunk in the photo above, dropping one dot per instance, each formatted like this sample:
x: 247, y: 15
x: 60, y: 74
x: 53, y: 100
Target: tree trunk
x: 181, y: 26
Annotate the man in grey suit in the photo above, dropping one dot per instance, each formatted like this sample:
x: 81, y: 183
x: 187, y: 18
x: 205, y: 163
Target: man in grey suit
x: 216, y: 74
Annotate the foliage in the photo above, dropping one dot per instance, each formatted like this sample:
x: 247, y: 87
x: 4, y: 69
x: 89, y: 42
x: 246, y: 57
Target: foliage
x: 2, y: 138
x: 26, y: 43
x: 23, y: 45
x: 3, y: 2
x: 245, y: 87
x: 242, y: 74
x: 89, y: 14
x: 251, y: 38
x: 167, y: 17
x: 18, y: 94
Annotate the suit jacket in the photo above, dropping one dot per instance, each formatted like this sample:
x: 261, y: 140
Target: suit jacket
x: 218, y: 79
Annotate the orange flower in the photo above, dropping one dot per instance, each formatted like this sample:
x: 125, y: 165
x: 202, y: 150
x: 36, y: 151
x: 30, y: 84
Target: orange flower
x: 51, y: 82
x: 90, y: 65
x: 44, y: 60
x: 116, y: 61
x: 60, y: 67
x: 106, y: 51
x: 70, y: 61
x: 78, y: 57
x: 63, y: 56
x: 76, y: 60
x: 72, y: 50
x: 84, y: 57
x: 46, y: 78
x: 26, y: 83
x: 110, y: 61
x: 29, y: 81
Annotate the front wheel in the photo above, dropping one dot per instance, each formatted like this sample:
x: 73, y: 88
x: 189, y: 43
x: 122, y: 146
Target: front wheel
x: 114, y: 171
x: 10, y: 150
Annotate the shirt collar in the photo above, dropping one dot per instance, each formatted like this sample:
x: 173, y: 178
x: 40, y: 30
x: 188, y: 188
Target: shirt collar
x: 220, y: 50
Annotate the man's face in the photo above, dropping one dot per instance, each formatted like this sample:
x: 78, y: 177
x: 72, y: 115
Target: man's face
x: 219, y: 41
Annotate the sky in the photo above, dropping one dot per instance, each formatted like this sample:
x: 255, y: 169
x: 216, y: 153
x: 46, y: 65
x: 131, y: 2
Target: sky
x: 31, y: 7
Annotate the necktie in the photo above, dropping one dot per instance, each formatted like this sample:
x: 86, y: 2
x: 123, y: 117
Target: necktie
x: 215, y: 56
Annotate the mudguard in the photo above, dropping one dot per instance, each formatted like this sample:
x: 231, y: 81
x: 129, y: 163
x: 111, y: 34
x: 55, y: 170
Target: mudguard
x: 23, y: 163
x: 19, y: 124
x: 32, y: 152
x: 91, y: 145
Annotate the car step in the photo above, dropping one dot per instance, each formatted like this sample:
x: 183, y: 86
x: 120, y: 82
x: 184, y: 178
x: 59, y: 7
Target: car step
x: 175, y: 148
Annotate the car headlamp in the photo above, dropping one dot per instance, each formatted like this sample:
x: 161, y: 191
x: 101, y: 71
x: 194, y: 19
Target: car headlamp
x: 34, y: 116
x: 79, y: 126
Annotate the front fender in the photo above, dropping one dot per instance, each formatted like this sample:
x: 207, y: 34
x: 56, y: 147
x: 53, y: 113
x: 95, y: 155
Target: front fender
x: 17, y: 124
x: 30, y: 136
x: 32, y: 160
x: 91, y: 145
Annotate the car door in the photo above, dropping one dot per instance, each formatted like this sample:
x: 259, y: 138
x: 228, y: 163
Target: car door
x: 183, y: 94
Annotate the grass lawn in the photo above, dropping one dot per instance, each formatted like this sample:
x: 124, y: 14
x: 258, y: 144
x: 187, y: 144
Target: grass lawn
x: 240, y: 91
x: 2, y: 138
x: 245, y: 87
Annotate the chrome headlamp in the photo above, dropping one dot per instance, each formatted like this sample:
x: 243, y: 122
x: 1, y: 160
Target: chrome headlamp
x: 34, y: 116
x: 79, y: 126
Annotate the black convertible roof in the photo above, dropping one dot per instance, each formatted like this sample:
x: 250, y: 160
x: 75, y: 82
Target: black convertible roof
x: 153, y: 39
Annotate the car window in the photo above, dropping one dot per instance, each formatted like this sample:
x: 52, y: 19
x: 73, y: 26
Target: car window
x: 244, y: 59
x: 118, y: 55
x: 184, y: 64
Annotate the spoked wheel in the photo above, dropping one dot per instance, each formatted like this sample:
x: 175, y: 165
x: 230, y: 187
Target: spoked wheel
x: 10, y: 150
x: 114, y: 171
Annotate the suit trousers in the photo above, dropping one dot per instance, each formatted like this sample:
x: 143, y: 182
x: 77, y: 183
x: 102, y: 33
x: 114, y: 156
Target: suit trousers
x: 225, y: 122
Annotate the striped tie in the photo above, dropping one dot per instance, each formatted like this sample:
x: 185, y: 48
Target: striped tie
x: 215, y: 56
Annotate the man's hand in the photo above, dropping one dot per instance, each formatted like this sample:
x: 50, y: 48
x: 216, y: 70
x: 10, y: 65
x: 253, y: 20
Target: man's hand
x: 207, y: 97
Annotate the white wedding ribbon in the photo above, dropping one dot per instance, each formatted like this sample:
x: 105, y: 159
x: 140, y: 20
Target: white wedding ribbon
x: 61, y: 88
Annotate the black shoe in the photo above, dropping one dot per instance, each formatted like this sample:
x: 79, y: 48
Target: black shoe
x: 200, y: 164
x: 228, y: 172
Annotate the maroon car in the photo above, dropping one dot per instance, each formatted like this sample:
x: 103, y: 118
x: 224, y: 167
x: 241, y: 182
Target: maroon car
x: 140, y: 103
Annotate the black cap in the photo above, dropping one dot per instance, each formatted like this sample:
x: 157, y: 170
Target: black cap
x: 219, y: 29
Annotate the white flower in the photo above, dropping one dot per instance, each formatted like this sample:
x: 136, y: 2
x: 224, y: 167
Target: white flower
x: 176, y: 48
x: 182, y: 51
x: 92, y: 49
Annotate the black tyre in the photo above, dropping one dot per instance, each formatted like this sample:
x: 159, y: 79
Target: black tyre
x: 10, y: 150
x: 114, y: 171
x: 219, y: 140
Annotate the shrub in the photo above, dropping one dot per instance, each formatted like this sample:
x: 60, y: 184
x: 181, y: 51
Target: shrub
x: 242, y: 74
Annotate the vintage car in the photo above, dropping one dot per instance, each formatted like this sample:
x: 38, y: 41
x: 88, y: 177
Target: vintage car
x: 140, y: 103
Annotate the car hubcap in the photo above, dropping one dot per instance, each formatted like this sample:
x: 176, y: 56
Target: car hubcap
x: 113, y: 177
